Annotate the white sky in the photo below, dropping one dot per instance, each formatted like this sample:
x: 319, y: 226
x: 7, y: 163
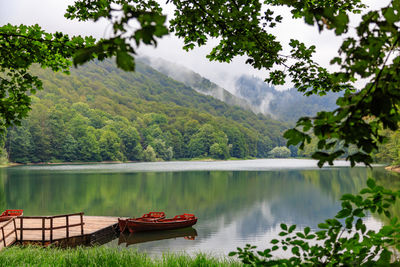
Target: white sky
x: 50, y: 15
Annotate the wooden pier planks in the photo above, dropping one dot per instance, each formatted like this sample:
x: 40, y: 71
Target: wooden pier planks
x: 92, y: 224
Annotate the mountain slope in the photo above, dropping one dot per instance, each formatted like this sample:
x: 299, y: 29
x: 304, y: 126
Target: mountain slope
x: 102, y: 113
x: 250, y: 93
x: 195, y: 81
x: 288, y: 105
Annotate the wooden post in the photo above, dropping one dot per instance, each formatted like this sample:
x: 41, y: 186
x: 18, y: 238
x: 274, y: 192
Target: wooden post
x: 51, y: 230
x: 4, y: 239
x: 81, y: 223
x: 22, y: 228
x: 67, y: 228
x: 43, y: 230
x: 15, y: 229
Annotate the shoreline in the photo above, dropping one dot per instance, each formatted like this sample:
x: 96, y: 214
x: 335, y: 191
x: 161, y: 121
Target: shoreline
x: 393, y: 168
x: 13, y: 164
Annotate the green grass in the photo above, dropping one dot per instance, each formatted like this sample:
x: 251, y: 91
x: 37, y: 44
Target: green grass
x: 101, y: 256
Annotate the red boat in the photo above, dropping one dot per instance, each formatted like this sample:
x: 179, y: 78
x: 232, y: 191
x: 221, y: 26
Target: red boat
x: 9, y: 214
x: 140, y: 224
x: 151, y: 216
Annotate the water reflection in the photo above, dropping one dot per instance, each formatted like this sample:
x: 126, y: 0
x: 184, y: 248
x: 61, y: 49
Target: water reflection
x: 233, y: 207
x: 142, y: 237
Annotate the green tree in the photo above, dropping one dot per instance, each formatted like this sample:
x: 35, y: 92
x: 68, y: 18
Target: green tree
x: 178, y: 146
x: 219, y: 151
x: 19, y: 145
x: 206, y: 136
x: 110, y: 146
x: 149, y: 154
x: 69, y: 149
x: 40, y: 132
x: 88, y: 146
x: 130, y: 138
x: 162, y: 150
x: 280, y: 152
x: 237, y: 141
x: 57, y: 130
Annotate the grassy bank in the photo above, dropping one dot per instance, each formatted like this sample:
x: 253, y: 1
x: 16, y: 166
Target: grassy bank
x: 101, y: 256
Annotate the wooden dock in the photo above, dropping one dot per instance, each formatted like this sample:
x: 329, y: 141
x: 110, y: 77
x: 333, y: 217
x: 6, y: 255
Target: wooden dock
x: 61, y: 230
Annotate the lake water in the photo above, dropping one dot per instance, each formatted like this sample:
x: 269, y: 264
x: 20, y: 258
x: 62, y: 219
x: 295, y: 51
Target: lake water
x: 237, y: 202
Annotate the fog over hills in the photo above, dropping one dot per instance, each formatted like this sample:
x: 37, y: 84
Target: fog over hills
x: 250, y: 93
x: 195, y: 81
x: 288, y: 105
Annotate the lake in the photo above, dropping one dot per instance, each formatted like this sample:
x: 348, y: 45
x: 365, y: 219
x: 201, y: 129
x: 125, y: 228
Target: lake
x: 237, y: 202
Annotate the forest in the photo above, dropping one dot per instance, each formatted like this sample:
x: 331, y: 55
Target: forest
x: 101, y: 113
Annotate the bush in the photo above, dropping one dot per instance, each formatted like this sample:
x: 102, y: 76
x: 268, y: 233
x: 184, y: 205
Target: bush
x: 280, y: 152
x: 341, y: 241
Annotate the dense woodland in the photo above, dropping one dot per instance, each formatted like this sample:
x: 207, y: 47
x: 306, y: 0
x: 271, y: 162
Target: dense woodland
x: 101, y: 113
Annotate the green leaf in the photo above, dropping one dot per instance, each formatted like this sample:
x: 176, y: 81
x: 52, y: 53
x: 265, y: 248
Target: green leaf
x: 371, y: 183
x: 323, y: 226
x: 358, y: 212
x: 348, y: 197
x: 365, y: 191
x: 295, y: 251
x: 390, y: 16
x: 306, y: 230
x: 300, y: 235
x: 343, y: 213
x: 359, y: 224
x: 125, y: 61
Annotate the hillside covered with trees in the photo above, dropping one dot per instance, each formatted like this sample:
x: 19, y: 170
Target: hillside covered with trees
x: 251, y: 93
x: 101, y: 113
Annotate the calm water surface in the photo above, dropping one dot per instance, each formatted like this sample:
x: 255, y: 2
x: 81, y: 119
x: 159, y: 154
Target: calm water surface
x: 237, y: 202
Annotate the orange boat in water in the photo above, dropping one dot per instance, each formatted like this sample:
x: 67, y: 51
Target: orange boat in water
x: 9, y: 214
x: 151, y: 216
x: 143, y: 224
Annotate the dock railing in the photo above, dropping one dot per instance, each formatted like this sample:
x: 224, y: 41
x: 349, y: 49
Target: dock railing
x: 67, y: 225
x: 3, y: 232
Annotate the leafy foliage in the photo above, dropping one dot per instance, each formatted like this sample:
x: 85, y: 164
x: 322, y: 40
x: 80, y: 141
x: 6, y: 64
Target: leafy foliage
x: 242, y: 27
x: 343, y: 240
x: 122, y: 15
x: 20, y: 47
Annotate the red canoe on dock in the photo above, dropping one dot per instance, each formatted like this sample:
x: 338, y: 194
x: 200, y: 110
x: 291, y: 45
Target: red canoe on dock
x: 141, y: 224
x: 9, y: 214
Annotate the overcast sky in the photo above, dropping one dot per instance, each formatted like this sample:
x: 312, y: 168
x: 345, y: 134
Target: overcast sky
x: 50, y: 15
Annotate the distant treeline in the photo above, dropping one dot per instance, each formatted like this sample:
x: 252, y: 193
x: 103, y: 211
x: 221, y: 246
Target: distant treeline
x: 100, y: 113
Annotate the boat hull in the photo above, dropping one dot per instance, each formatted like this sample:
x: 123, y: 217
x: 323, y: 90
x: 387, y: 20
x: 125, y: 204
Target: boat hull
x: 151, y: 216
x: 137, y: 225
x: 9, y: 214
